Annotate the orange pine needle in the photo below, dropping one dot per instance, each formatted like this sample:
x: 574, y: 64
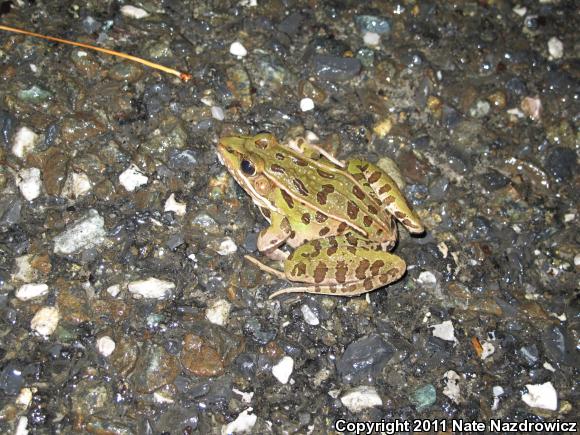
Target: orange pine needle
x: 183, y: 76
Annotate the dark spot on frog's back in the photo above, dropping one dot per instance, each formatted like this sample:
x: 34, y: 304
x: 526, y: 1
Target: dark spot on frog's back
x: 324, y: 231
x: 374, y: 177
x: 300, y: 186
x: 357, y: 191
x: 320, y: 217
x: 288, y: 199
x: 279, y: 156
x: 277, y: 169
x: 299, y: 269
x: 360, y: 271
x: 352, y: 210
x: 306, y: 218
x: 341, y: 271
x: 299, y: 161
x: 320, y: 272
x: 324, y: 174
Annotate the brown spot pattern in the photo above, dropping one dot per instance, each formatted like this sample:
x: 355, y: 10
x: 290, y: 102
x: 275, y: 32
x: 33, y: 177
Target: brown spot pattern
x: 341, y: 271
x: 351, y: 249
x: 280, y: 156
x: 358, y: 176
x: 262, y: 143
x: 374, y: 177
x: 292, y: 234
x: 317, y: 247
x: 299, y: 269
x: 363, y: 168
x: 400, y: 215
x: 306, y: 218
x: 299, y: 161
x: 367, y: 220
x: 342, y: 227
x: 300, y: 186
x: 324, y: 174
x: 372, y: 209
x: 351, y: 239
x: 368, y: 283
x: 384, y: 278
x: 320, y: 272
x: 389, y: 200
x: 360, y: 271
x: 320, y: 217
x: 357, y: 191
x: 288, y: 199
x: 352, y: 210
x: 323, y: 194
x: 323, y: 231
x: 266, y: 212
x: 277, y: 169
x: 376, y: 266
x: 331, y: 251
x: 384, y: 189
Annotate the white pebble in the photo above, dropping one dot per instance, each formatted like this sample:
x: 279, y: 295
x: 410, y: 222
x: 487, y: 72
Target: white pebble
x: 444, y: 331
x: 283, y: 369
x: 555, y: 48
x: 243, y: 423
x: 227, y: 247
x: 152, y: 288
x: 532, y: 107
x: 361, y: 398
x: 76, y: 185
x: 24, y: 270
x: 237, y: 49
x: 577, y: 260
x: 24, y: 142
x: 218, y: 312
x: 29, y: 183
x: 45, y: 321
x: 105, y: 345
x: 309, y: 315
x: 217, y: 113
x: 569, y: 217
x: 85, y: 233
x: 114, y: 290
x: 306, y: 104
x: 131, y: 178
x: 520, y: 10
x: 134, y: 12
x: 371, y: 39
x: 542, y: 396
x: 488, y: 349
x: 497, y: 391
x: 24, y: 398
x: 451, y: 388
x: 21, y: 428
x: 31, y: 291
x: 179, y: 208
x: 427, y: 279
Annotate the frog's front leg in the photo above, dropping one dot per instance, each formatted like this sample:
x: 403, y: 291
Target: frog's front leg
x: 274, y: 236
x: 341, y: 266
x: 388, y: 193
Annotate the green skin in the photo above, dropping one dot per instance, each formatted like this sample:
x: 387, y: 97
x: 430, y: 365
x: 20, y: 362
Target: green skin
x: 339, y: 216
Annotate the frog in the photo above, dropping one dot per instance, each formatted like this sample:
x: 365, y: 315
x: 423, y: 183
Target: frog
x: 340, y: 217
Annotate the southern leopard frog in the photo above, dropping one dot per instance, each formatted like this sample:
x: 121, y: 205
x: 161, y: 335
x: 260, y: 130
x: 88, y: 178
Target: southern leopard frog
x: 338, y: 216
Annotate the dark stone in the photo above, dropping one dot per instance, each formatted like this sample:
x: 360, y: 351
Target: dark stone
x: 530, y: 354
x: 364, y: 358
x: 561, y: 164
x: 335, y: 68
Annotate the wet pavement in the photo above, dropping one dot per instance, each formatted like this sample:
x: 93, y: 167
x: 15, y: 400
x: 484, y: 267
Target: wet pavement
x: 126, y: 304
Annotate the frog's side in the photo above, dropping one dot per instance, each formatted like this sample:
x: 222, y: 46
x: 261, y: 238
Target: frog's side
x: 339, y: 216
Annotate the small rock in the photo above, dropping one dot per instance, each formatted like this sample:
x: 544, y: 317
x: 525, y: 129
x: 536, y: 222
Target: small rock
x: 309, y: 315
x: 29, y: 183
x: 364, y: 358
x: 85, y: 233
x: 360, y: 398
x: 227, y: 247
x: 335, y: 68
x: 451, y: 388
x: 237, y: 49
x: 24, y: 398
x: 424, y: 397
x: 152, y: 288
x: 31, y: 291
x: 497, y: 391
x: 283, y: 369
x: 76, y: 185
x: 218, y: 312
x: 134, y: 12
x: 532, y: 107
x: 200, y: 358
x: 542, y: 396
x: 24, y: 142
x: 132, y: 178
x: 427, y: 279
x: 555, y: 48
x: 243, y: 423
x: 488, y: 349
x: 114, y: 290
x: 371, y: 39
x: 24, y: 270
x: 45, y: 321
x: 444, y: 331
x: 21, y: 427
x: 371, y: 23
x: 217, y: 113
x: 306, y: 104
x: 105, y: 345
x: 179, y: 208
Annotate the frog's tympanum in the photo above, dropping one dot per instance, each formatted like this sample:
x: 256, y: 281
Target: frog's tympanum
x: 338, y: 216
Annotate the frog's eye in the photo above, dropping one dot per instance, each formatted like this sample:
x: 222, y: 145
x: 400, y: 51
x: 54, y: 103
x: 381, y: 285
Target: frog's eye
x: 248, y: 168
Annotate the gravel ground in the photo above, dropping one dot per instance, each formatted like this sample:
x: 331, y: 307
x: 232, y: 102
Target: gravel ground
x: 126, y: 304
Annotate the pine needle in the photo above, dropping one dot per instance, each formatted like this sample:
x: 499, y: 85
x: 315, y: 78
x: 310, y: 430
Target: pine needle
x: 183, y: 76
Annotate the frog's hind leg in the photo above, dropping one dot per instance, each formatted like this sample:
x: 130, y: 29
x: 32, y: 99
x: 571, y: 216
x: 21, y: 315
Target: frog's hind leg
x: 347, y: 289
x: 388, y: 193
x: 267, y: 269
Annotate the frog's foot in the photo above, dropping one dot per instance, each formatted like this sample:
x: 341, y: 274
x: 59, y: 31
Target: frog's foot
x: 347, y: 289
x: 267, y: 269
